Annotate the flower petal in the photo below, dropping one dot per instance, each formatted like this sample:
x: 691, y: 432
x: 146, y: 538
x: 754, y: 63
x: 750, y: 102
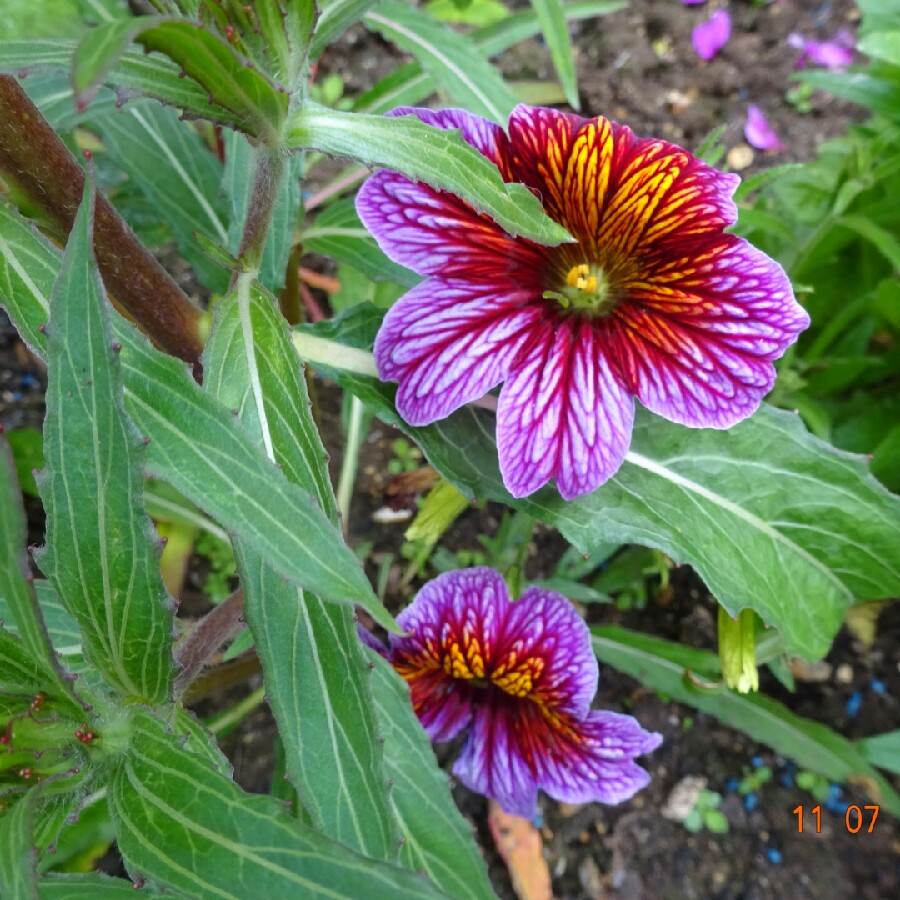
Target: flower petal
x: 544, y: 627
x: 443, y: 704
x: 450, y: 342
x: 514, y: 748
x: 499, y: 756
x: 581, y: 766
x: 562, y: 413
x: 696, y: 340
x: 618, y: 194
x: 759, y: 132
x: 452, y: 629
x: 434, y: 232
x: 711, y: 36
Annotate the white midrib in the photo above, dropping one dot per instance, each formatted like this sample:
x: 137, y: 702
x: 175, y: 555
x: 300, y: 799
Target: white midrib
x: 221, y: 233
x: 642, y: 462
x: 446, y: 61
x: 243, y: 300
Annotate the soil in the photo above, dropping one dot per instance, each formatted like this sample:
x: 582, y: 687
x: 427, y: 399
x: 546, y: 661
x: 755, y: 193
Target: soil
x: 638, y: 67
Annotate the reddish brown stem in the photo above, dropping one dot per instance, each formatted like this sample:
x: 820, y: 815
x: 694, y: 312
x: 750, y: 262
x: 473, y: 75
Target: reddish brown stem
x: 39, y: 165
x: 217, y: 627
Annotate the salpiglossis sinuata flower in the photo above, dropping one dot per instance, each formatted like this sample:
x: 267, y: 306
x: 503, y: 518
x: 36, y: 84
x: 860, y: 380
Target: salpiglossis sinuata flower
x: 518, y: 678
x: 652, y: 300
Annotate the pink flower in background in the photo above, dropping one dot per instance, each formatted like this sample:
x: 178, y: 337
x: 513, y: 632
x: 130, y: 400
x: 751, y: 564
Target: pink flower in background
x: 693, y: 2
x: 653, y: 299
x: 759, y: 133
x: 711, y: 36
x: 518, y: 679
x: 835, y: 54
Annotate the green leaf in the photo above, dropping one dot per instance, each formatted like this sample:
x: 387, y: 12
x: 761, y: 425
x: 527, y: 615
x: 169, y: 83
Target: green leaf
x: 882, y: 750
x: 422, y: 153
x: 16, y: 587
x: 772, y: 518
x: 237, y: 186
x: 200, y: 54
x: 318, y: 688
x: 880, y: 95
x: 247, y: 93
x: 18, y: 858
x: 315, y: 674
x: 409, y: 85
x: 135, y: 74
x: 190, y: 829
x: 100, y: 552
x: 437, y: 839
x: 335, y: 18
x: 178, y: 175
x: 552, y: 16
x: 879, y: 237
x: 468, y: 78
x: 195, y: 443
x: 338, y: 234
x: 884, y: 45
x: 20, y: 672
x: 56, y: 886
x: 651, y: 661
x: 27, y: 446
x: 100, y: 49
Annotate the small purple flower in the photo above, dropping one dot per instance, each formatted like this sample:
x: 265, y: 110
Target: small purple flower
x: 653, y: 299
x: 519, y: 677
x: 759, y: 133
x: 693, y: 2
x: 835, y: 54
x: 711, y: 36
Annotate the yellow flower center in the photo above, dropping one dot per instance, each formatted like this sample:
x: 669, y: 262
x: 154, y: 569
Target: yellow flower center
x: 586, y: 289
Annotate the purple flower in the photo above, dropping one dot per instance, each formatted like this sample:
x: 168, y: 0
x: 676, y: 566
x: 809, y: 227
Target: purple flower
x: 693, y: 2
x: 758, y: 132
x: 711, y: 36
x: 519, y: 678
x: 653, y: 299
x: 835, y: 54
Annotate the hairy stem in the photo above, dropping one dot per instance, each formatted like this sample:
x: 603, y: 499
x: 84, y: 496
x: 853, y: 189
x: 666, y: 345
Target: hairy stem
x: 211, y: 632
x: 39, y: 165
x: 263, y: 197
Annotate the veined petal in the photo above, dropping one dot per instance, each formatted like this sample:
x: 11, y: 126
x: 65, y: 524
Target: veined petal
x: 618, y: 194
x: 434, y: 232
x: 499, y: 758
x: 696, y: 340
x: 540, y: 143
x: 452, y: 630
x: 563, y: 413
x: 593, y: 759
x: 449, y: 342
x: 514, y: 748
x: 443, y: 704
x: 543, y: 627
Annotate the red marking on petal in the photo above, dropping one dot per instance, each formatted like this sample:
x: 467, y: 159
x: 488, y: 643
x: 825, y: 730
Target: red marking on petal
x: 695, y: 340
x: 433, y: 232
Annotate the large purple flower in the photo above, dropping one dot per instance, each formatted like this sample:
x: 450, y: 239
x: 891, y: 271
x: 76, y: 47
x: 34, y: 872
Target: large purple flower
x: 520, y: 676
x: 654, y: 299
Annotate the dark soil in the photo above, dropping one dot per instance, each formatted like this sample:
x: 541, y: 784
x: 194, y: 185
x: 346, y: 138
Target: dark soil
x: 638, y: 67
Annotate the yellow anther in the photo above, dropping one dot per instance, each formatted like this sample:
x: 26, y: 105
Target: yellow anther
x: 577, y: 274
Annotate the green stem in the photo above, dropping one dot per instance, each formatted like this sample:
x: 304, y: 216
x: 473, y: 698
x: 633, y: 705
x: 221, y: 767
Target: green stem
x: 350, y: 462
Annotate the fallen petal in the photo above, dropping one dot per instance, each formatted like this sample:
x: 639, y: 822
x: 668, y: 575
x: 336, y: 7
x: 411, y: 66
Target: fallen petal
x: 710, y: 37
x: 759, y: 133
